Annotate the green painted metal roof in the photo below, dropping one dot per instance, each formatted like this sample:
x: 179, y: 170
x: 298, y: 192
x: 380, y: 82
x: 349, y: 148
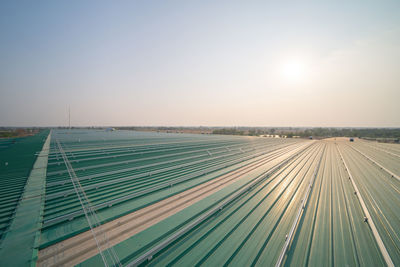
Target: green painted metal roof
x: 315, y: 202
x: 123, y: 171
x: 252, y: 229
x: 19, y: 246
x: 16, y: 162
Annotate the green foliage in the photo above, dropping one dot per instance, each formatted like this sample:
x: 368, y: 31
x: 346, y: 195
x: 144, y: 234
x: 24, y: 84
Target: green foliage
x: 229, y: 131
x: 316, y: 132
x: 8, y: 134
x: 350, y: 132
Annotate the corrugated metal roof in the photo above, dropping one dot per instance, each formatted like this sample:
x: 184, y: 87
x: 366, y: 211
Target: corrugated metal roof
x: 125, y: 171
x: 16, y: 161
x: 252, y: 229
x: 220, y: 200
x: 19, y: 247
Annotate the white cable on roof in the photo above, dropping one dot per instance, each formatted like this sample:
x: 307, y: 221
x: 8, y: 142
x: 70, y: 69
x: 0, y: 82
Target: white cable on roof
x: 90, y: 214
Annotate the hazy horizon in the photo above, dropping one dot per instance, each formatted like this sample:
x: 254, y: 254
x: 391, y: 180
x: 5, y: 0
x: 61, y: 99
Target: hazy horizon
x: 155, y: 63
x: 195, y: 126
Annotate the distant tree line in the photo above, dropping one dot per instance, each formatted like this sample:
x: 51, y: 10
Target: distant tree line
x: 317, y: 132
x: 8, y: 134
x: 243, y: 131
x: 352, y: 132
x: 17, y: 132
x: 229, y: 131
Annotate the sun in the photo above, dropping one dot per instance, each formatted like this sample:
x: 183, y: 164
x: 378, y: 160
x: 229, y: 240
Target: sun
x: 293, y: 71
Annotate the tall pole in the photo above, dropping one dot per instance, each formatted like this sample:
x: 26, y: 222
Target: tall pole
x: 69, y: 117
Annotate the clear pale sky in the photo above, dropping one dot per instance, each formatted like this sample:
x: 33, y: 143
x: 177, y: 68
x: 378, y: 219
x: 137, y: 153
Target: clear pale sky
x: 189, y: 63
